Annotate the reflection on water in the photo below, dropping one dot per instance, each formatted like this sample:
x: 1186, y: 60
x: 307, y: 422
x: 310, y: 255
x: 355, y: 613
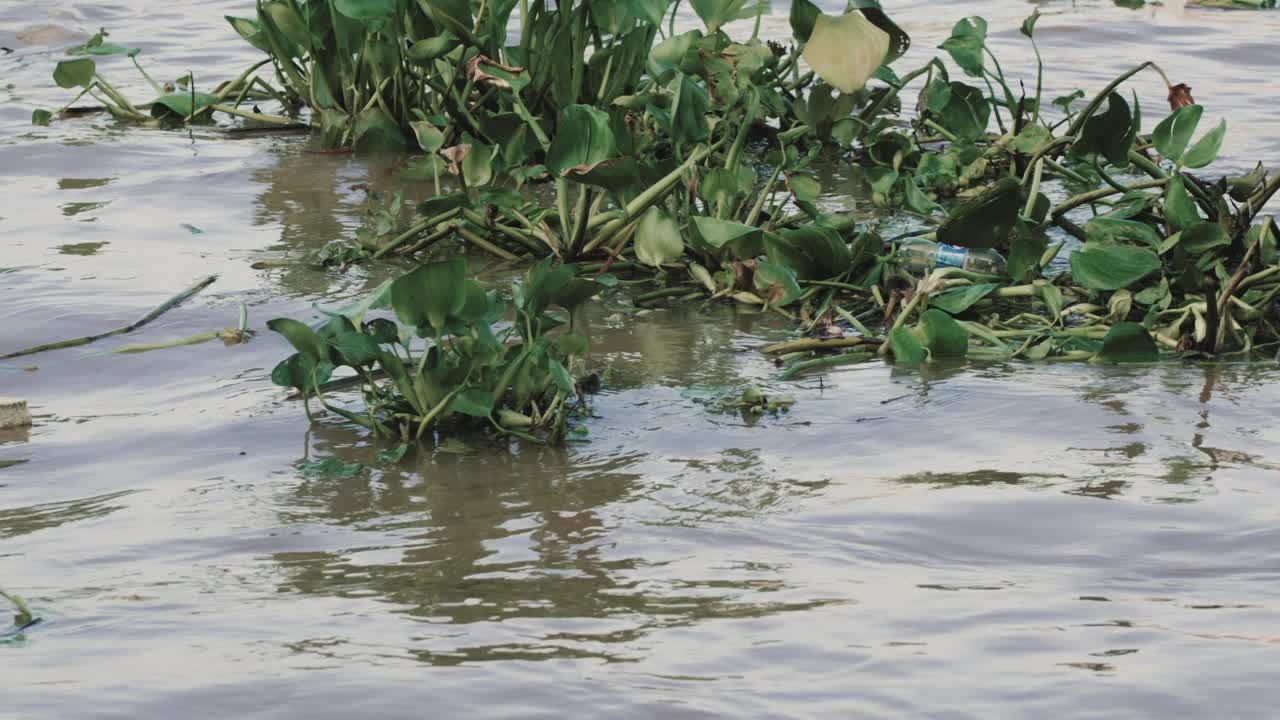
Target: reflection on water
x: 23, y: 520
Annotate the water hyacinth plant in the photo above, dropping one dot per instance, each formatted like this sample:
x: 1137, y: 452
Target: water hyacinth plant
x: 515, y: 379
x: 687, y: 160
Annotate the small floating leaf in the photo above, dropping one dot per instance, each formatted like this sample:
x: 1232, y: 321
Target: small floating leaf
x: 330, y: 468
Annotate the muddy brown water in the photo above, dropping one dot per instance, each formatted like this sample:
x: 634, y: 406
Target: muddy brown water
x: 985, y: 541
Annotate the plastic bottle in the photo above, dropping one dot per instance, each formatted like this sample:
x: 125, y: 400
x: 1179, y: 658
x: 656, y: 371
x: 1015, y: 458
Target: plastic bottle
x: 921, y: 256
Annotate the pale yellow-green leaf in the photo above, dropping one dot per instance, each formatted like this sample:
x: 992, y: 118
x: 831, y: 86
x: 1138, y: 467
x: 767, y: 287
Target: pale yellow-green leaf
x: 658, y: 240
x: 845, y: 51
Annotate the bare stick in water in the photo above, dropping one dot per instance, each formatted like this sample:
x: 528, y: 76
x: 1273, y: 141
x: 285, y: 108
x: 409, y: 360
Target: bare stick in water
x: 168, y: 305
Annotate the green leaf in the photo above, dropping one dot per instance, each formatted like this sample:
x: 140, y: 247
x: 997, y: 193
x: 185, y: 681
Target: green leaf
x: 965, y: 112
x: 430, y: 138
x: 1173, y: 133
x: 391, y: 456
x: 375, y: 131
x: 957, y: 300
x: 845, y: 51
x: 803, y: 16
x: 287, y: 21
x: 943, y: 335
x: 330, y: 468
x: 1116, y: 231
x: 1109, y: 133
x: 294, y: 372
x: 1099, y: 266
x: 97, y: 46
x: 303, y: 339
x: 1128, y: 342
x: 1204, y: 236
x: 424, y: 51
x: 41, y: 117
x: 583, y: 137
x: 687, y: 118
x: 477, y: 166
x: 476, y: 402
x: 614, y: 175
x: 357, y: 349
x: 251, y: 31
x: 370, y: 12
x: 1030, y: 139
x: 813, y: 252
x: 965, y: 45
x: 1051, y: 295
x: 179, y: 106
x: 905, y: 345
x: 453, y: 14
x: 560, y: 376
x: 1206, y: 148
x: 576, y: 291
x: 776, y: 284
x: 1025, y: 252
x: 429, y: 295
x: 715, y: 13
x: 746, y: 241
x: 1029, y: 25
x: 657, y: 239
x: 74, y: 73
x: 543, y: 282
x: 1179, y: 209
x: 985, y: 221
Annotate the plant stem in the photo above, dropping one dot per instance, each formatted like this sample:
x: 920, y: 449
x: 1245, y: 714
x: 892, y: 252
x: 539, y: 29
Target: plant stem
x: 1093, y: 195
x: 164, y: 307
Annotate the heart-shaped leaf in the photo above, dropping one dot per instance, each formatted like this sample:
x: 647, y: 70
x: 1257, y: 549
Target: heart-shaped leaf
x: 427, y: 296
x: 74, y: 73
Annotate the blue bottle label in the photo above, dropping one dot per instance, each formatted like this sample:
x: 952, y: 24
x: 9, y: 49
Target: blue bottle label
x: 951, y: 256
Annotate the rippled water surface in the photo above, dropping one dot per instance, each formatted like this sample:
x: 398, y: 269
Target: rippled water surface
x: 987, y: 541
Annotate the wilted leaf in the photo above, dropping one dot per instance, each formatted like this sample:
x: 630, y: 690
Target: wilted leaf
x: 657, y: 239
x: 985, y: 221
x: 845, y: 51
